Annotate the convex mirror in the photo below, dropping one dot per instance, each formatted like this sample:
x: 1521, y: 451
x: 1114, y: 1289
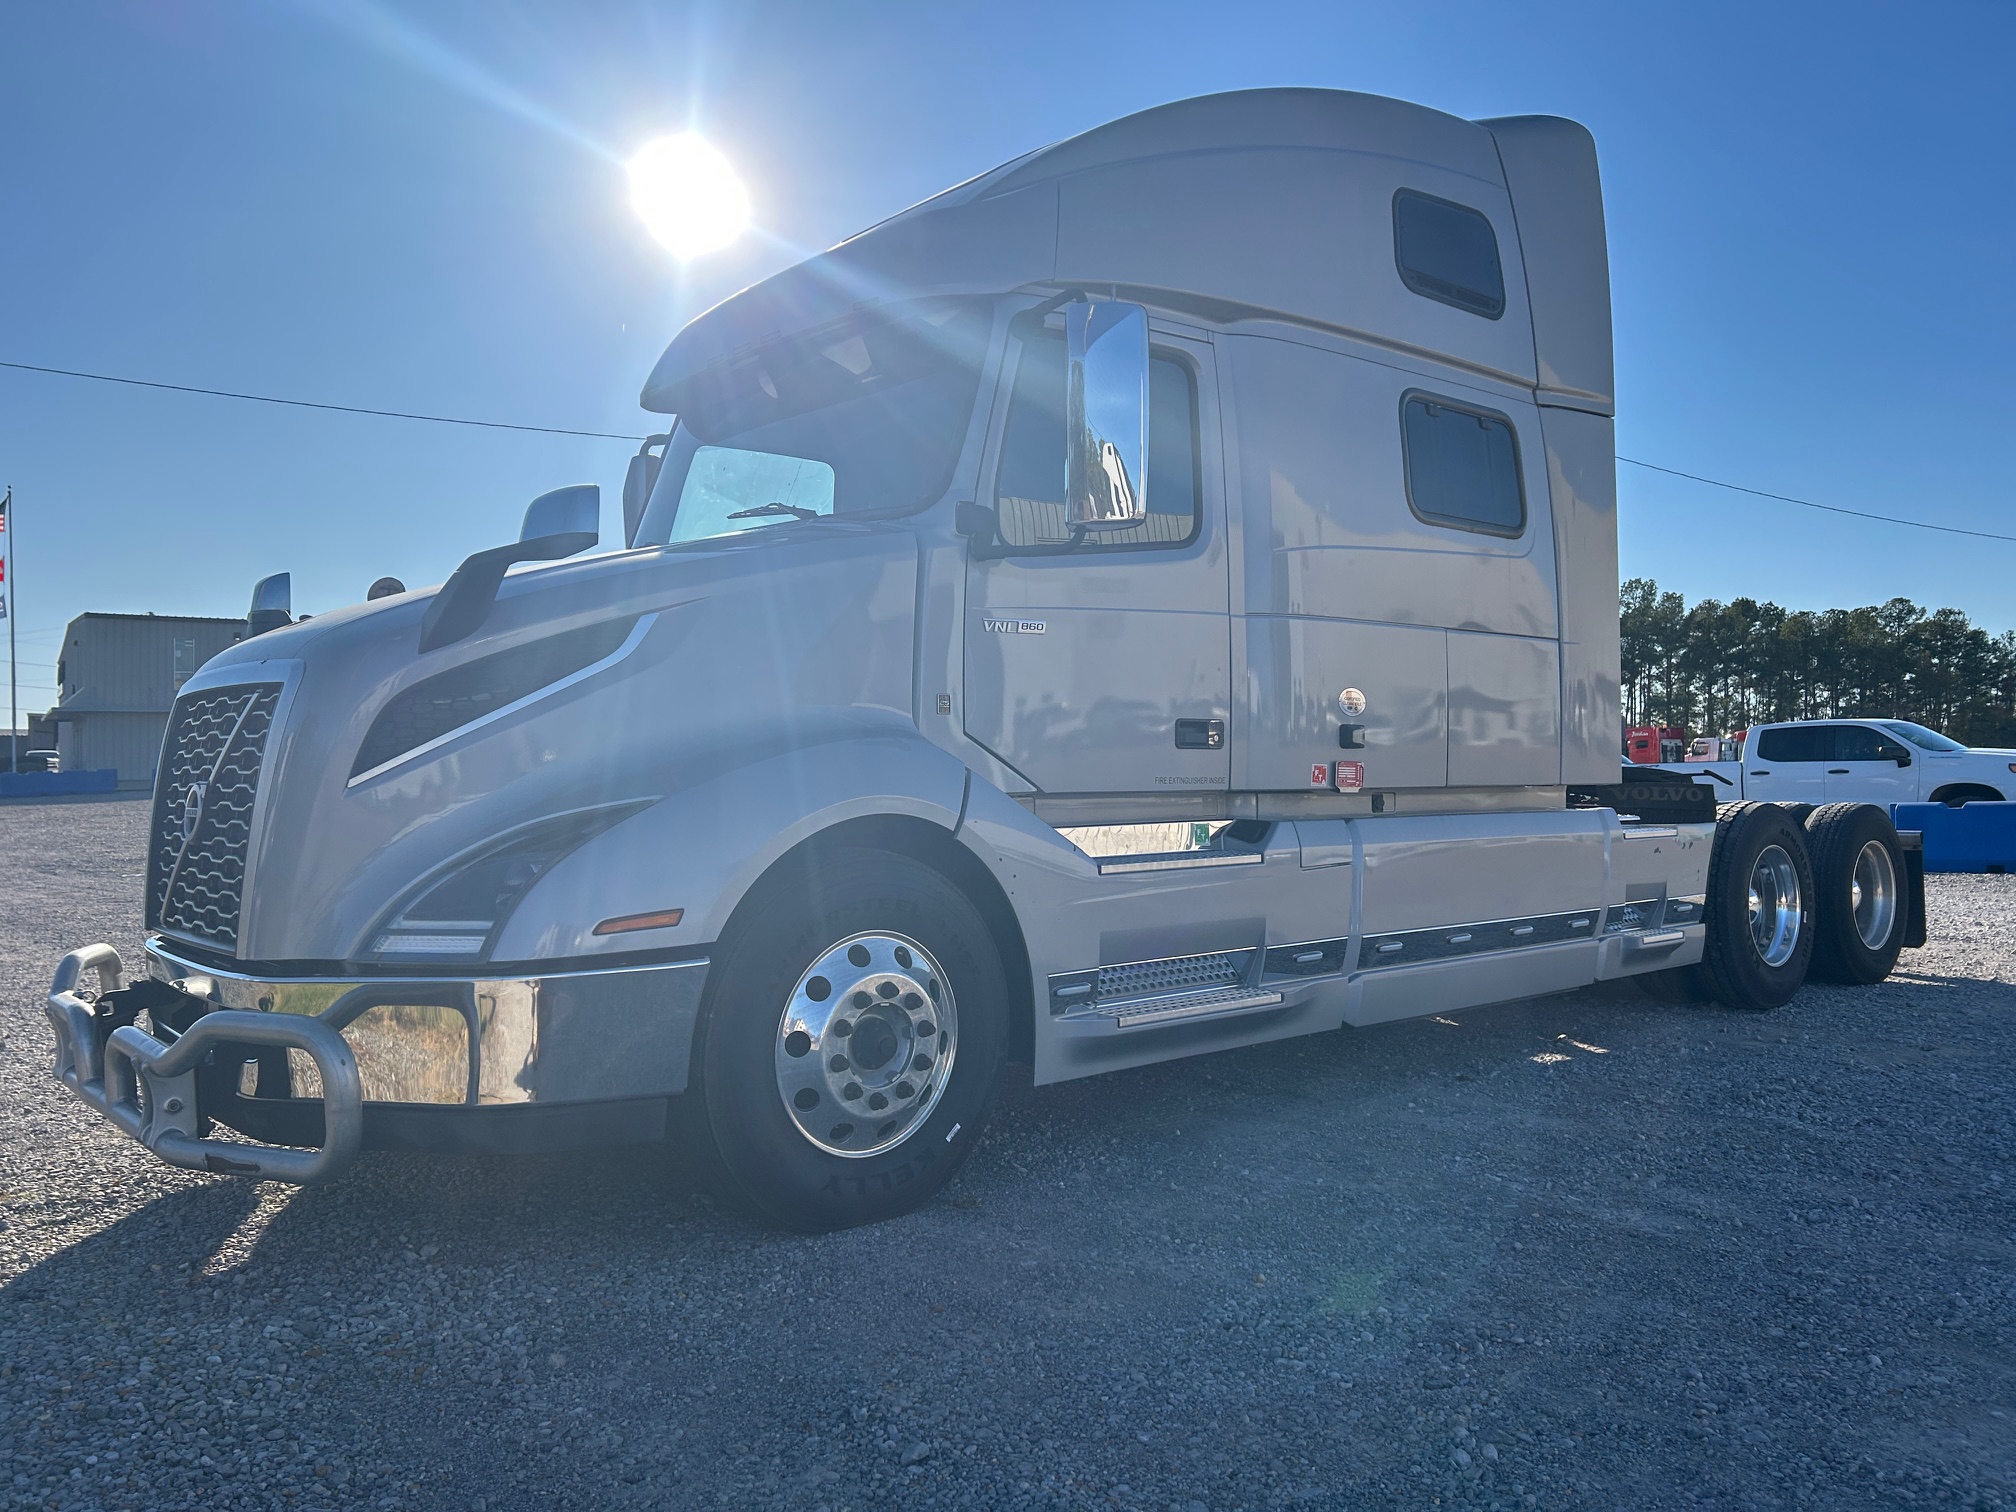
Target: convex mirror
x: 570, y: 512
x: 1106, y: 415
x: 272, y: 604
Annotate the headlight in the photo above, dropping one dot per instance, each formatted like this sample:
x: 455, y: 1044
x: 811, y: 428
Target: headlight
x: 455, y: 914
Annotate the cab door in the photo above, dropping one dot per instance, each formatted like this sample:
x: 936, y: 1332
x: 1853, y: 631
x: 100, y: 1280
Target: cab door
x: 1103, y: 666
x: 1789, y: 764
x: 1865, y: 768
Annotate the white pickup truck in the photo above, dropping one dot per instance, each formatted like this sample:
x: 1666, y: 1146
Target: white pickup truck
x: 1880, y: 761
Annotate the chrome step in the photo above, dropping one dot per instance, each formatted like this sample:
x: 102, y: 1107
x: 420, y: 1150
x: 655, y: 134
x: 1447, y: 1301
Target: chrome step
x: 1144, y: 1013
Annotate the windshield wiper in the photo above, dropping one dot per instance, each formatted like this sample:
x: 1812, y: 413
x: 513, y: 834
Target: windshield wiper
x: 796, y: 511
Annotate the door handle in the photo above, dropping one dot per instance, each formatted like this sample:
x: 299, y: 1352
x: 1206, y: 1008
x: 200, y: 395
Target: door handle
x: 1837, y: 771
x: 1760, y: 774
x: 1200, y: 734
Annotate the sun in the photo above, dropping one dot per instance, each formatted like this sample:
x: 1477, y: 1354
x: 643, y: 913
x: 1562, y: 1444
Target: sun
x: 688, y: 195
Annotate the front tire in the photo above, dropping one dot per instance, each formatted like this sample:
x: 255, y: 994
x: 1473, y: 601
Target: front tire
x: 1864, y: 907
x: 1760, y: 908
x: 851, y: 1041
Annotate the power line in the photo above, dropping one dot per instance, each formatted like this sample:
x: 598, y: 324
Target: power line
x: 553, y: 430
x: 1860, y: 514
x: 346, y: 409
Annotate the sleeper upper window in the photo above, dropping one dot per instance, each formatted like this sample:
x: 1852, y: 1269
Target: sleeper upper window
x: 1462, y: 466
x: 1448, y: 252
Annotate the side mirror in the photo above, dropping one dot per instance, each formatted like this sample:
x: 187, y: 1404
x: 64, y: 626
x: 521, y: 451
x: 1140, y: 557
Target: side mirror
x: 272, y: 604
x: 561, y: 518
x: 638, y: 483
x: 1903, y: 758
x: 557, y: 525
x: 1105, y: 415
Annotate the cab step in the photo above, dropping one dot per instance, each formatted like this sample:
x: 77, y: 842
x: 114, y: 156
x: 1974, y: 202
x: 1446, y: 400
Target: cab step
x: 1178, y: 1007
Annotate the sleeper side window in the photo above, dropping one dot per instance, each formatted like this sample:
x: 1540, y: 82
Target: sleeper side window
x: 1448, y: 252
x: 1029, y: 490
x: 1462, y: 466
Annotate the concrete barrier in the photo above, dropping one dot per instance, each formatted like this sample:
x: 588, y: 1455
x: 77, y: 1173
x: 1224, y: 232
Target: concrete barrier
x: 1976, y: 837
x: 57, y: 784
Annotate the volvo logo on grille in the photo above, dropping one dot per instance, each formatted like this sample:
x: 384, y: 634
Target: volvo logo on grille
x: 192, y: 809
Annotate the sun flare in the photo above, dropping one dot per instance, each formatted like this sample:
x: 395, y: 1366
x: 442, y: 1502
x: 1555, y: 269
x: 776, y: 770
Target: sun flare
x: 688, y: 195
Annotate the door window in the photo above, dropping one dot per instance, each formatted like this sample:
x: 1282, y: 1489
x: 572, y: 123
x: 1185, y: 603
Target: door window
x: 1797, y: 743
x: 1029, y: 491
x: 1860, y: 743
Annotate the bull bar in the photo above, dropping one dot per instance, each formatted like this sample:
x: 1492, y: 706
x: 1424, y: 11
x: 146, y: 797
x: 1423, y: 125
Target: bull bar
x: 147, y: 1087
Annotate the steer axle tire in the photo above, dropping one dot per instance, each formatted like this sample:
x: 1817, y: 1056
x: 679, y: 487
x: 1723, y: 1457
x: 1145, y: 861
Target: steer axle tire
x: 1864, y: 908
x: 1760, y: 908
x: 850, y: 1040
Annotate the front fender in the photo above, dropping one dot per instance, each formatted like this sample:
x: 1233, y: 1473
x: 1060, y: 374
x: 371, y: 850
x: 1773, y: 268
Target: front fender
x: 701, y: 849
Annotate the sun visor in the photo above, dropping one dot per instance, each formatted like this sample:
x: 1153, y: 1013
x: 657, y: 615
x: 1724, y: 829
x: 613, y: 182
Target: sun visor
x: 992, y: 246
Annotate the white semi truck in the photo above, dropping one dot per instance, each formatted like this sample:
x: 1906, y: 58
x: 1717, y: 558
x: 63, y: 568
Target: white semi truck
x: 1241, y: 470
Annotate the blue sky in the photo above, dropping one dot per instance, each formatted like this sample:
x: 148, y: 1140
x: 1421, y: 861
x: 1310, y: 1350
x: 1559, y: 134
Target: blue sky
x: 423, y: 207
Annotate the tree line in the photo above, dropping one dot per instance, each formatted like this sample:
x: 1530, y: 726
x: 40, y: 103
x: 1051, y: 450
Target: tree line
x: 1715, y: 668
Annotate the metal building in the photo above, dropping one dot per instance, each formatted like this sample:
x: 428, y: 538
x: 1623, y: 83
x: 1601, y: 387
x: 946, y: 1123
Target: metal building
x: 116, y: 677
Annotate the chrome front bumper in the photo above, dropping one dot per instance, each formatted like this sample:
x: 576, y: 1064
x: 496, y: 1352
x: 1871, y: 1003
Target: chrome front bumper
x: 356, y: 1062
x: 148, y: 1088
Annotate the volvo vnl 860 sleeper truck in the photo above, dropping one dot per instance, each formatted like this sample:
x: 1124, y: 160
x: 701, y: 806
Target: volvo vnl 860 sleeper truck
x: 1238, y: 473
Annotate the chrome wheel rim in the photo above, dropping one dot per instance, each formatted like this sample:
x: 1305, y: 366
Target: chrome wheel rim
x: 1872, y: 895
x: 866, y: 1043
x: 1774, y: 906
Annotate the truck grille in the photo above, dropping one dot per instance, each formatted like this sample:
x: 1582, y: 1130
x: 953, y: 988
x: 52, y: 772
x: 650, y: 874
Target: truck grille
x: 203, y: 796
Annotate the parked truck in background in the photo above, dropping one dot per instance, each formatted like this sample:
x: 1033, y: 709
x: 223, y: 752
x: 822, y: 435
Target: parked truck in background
x: 1880, y: 761
x: 1244, y: 464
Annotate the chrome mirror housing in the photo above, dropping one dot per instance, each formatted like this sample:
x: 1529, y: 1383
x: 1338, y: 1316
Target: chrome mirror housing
x: 1105, y: 415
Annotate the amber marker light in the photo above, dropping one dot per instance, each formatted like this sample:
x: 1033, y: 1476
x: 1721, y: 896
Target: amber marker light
x: 665, y: 918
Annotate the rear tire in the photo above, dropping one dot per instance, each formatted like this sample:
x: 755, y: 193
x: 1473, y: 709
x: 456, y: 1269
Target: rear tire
x: 1760, y: 908
x: 1800, y: 812
x: 854, y: 948
x: 1961, y: 796
x: 1862, y: 904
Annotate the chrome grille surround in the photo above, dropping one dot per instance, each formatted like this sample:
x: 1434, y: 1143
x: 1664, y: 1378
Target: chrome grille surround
x: 204, y: 793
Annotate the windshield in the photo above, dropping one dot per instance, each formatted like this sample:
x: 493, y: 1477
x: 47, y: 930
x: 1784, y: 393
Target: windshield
x: 864, y: 418
x: 1918, y: 735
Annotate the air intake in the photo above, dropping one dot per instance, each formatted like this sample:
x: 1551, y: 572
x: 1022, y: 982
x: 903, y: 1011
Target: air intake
x: 435, y: 708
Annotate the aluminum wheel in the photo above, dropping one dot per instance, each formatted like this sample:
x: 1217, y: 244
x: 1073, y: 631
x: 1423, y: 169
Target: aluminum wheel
x: 866, y: 1043
x: 1872, y: 895
x: 1774, y: 906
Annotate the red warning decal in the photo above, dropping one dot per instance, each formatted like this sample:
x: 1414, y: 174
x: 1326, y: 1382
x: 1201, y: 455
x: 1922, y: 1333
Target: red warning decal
x: 1319, y: 775
x: 1350, y: 776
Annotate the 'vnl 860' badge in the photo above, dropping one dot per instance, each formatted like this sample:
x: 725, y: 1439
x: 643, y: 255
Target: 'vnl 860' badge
x: 1013, y: 626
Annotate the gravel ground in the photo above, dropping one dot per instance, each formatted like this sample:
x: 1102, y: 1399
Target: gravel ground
x: 1582, y: 1251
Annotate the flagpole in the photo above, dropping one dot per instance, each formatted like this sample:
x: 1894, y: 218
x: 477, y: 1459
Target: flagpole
x: 13, y: 699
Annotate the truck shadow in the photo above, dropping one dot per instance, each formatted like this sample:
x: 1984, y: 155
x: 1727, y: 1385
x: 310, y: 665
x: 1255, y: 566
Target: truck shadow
x: 1374, y: 1186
